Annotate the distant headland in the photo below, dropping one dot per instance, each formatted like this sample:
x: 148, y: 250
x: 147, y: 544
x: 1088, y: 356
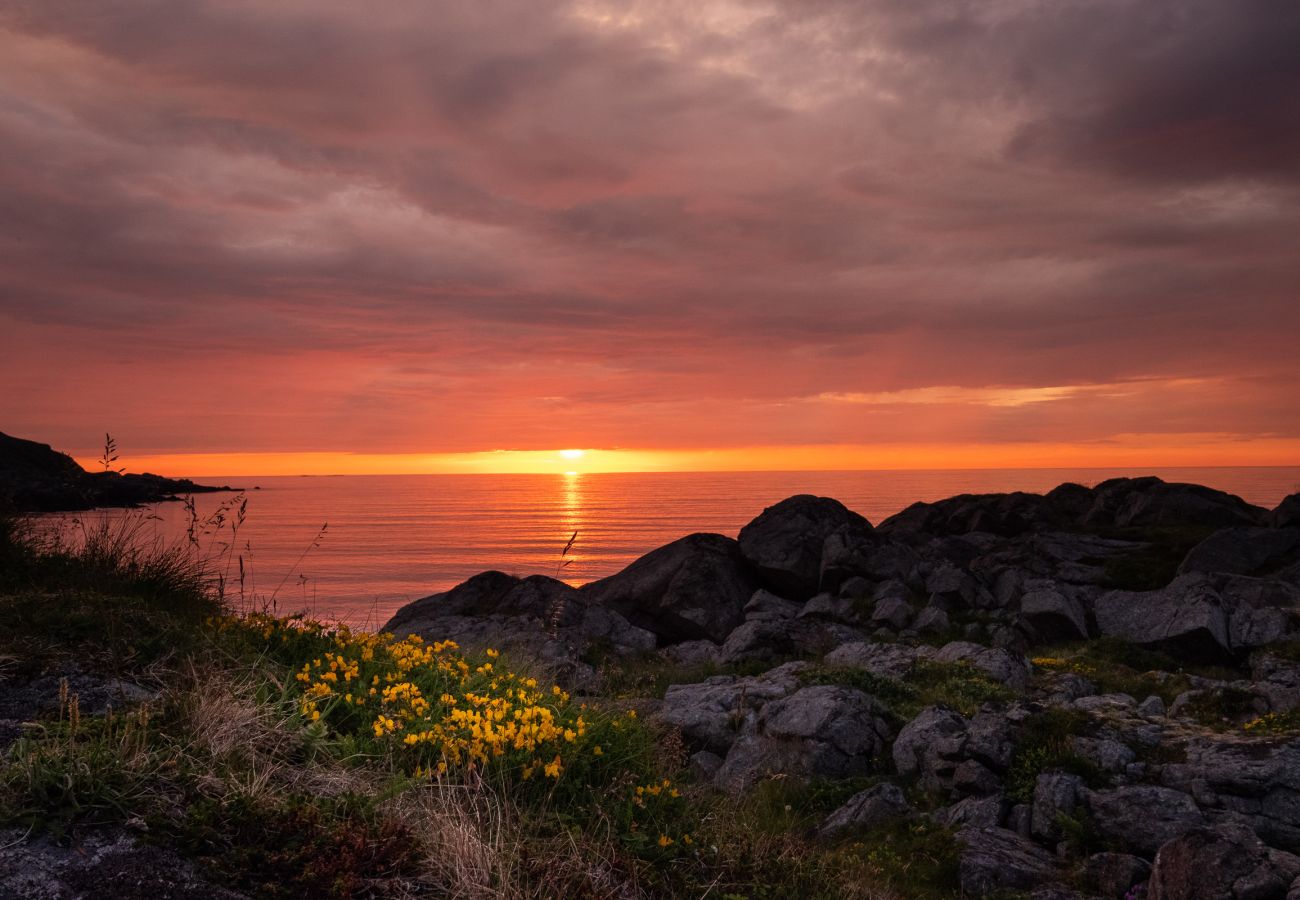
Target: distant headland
x: 34, y: 477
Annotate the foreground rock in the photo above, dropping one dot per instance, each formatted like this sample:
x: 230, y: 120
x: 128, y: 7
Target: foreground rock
x: 1226, y: 862
x: 36, y: 478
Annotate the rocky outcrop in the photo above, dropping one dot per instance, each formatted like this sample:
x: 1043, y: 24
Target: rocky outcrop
x: 1243, y: 551
x: 996, y: 861
x: 1187, y: 617
x: 536, y: 616
x: 696, y: 587
x: 36, y: 478
x: 785, y: 544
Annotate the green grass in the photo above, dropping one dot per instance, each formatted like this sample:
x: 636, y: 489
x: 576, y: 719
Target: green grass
x: 230, y: 766
x: 958, y: 686
x: 1043, y: 745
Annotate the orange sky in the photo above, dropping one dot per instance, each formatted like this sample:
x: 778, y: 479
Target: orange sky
x: 762, y: 234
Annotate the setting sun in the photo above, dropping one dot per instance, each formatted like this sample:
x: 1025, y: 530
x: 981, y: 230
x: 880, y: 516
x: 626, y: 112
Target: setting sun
x: 573, y: 454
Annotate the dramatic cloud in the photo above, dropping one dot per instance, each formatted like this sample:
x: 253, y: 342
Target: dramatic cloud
x: 436, y: 227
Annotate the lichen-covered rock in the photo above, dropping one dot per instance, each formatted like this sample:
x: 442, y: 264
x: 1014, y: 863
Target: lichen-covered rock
x: 818, y: 731
x: 1222, y: 862
x: 885, y: 660
x: 785, y: 542
x: 1053, y: 615
x: 1142, y: 816
x: 1186, y: 617
x: 712, y: 714
x: 868, y: 809
x: 1242, y: 551
x: 998, y: 664
x: 997, y: 861
x: 696, y: 587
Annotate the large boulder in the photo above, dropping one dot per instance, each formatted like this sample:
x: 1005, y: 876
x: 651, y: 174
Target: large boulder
x: 1222, y: 862
x: 696, y: 587
x: 818, y: 731
x: 1186, y: 617
x: 1053, y: 614
x: 1243, y: 551
x: 536, y: 616
x: 854, y: 553
x: 997, y: 861
x: 1142, y: 816
x: 1149, y: 501
x: 1006, y: 515
x: 1257, y: 779
x: 785, y: 543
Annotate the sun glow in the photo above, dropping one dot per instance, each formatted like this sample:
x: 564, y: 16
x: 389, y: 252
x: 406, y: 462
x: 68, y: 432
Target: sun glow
x: 573, y: 454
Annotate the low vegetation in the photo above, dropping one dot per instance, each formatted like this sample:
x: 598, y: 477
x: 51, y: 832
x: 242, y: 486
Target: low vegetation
x: 288, y: 757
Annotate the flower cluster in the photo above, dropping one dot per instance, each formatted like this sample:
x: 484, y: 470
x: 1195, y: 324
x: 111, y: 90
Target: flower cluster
x: 429, y: 703
x: 1274, y: 723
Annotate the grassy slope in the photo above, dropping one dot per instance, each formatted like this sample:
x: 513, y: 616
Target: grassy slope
x: 243, y: 762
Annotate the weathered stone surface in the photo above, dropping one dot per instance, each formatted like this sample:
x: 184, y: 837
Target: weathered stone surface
x: 1151, y: 501
x: 998, y: 664
x: 713, y: 713
x: 931, y: 745
x: 931, y: 620
x: 822, y: 730
x: 850, y: 553
x: 998, y: 861
x: 765, y: 606
x: 1222, y: 862
x: 1142, y: 816
x: 105, y: 864
x: 537, y: 616
x: 1242, y: 551
x: 1113, y: 874
x: 1005, y: 515
x: 773, y: 640
x: 1053, y: 615
x: 1255, y: 778
x: 1056, y: 794
x: 894, y: 612
x: 784, y: 543
x: 973, y: 812
x: 696, y: 587
x: 868, y: 809
x: 1187, y: 617
x: 886, y: 660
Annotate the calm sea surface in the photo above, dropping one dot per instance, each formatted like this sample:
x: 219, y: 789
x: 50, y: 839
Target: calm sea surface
x: 392, y: 539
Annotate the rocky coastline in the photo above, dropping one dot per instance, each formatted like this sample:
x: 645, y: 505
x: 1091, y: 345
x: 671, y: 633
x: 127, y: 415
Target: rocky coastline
x: 35, y: 478
x: 1096, y: 689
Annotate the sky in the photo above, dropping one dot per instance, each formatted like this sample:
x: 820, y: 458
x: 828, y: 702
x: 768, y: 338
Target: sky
x: 316, y: 235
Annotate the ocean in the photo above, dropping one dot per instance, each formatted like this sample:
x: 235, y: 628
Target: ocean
x: 355, y: 548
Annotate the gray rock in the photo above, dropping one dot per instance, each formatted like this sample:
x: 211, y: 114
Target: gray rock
x: 818, y: 731
x: 1258, y: 779
x: 850, y: 554
x: 1107, y: 754
x: 932, y: 620
x: 997, y: 861
x: 712, y: 713
x: 869, y: 809
x: 691, y: 654
x: 1053, y: 615
x: 931, y: 745
x: 104, y: 863
x: 784, y: 543
x: 1142, y: 816
x: 976, y: 812
x: 834, y: 609
x: 1242, y: 551
x: 1113, y: 874
x: 1222, y: 862
x: 885, y: 660
x: 696, y: 587
x: 765, y: 606
x: 705, y: 765
x: 972, y: 777
x: 1056, y: 794
x: 1149, y: 501
x: 893, y: 612
x: 998, y: 664
x: 1152, y: 707
x: 1187, y: 617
